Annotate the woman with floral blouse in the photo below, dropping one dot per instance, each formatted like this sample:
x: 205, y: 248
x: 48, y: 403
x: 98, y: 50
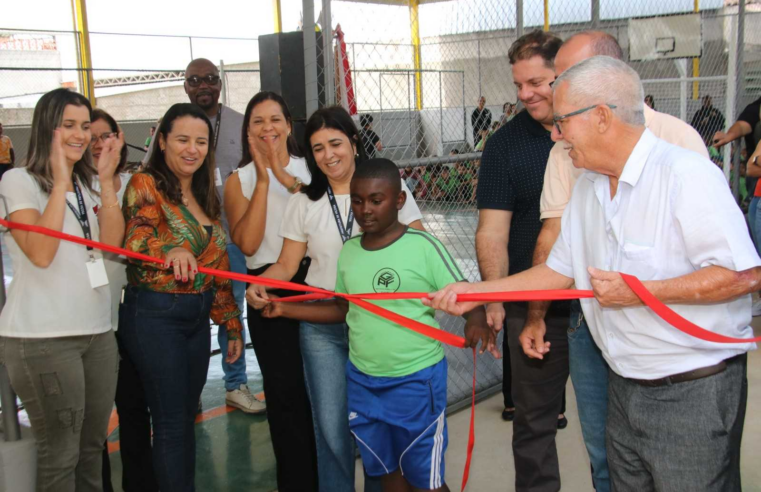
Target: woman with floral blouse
x: 172, y: 212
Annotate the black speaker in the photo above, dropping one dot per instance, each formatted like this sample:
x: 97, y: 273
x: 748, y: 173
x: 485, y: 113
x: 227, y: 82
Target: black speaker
x: 281, y: 61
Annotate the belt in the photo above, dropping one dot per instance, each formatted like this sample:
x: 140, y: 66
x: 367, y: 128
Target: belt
x: 700, y: 373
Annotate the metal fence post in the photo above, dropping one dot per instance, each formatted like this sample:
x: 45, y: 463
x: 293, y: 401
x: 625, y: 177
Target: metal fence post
x: 595, y: 14
x: 327, y: 46
x: 11, y: 428
x: 310, y: 57
x: 518, y: 18
x: 740, y: 85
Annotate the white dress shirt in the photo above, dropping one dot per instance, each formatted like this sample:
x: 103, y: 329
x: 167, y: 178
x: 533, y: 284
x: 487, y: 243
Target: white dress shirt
x: 672, y: 214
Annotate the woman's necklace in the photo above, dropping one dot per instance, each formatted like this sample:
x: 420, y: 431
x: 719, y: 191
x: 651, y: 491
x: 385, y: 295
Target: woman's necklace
x: 185, y: 201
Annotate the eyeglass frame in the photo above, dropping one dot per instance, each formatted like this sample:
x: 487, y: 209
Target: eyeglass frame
x: 557, y: 119
x: 201, y: 80
x: 103, y: 137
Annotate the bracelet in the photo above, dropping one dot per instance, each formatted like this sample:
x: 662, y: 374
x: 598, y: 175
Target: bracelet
x: 294, y: 186
x: 115, y: 204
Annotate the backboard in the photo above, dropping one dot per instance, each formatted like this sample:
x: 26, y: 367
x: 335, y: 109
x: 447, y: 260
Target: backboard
x: 672, y: 36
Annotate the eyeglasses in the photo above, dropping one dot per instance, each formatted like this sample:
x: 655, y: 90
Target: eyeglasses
x: 103, y: 137
x: 557, y: 119
x: 195, y: 80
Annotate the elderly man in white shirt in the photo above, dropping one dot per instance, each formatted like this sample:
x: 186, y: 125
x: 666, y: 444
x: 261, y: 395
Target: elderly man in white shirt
x: 665, y: 215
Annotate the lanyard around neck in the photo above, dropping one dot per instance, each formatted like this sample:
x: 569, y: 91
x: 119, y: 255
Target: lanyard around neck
x: 344, y: 231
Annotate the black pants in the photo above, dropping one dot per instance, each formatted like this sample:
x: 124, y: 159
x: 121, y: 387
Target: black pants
x: 538, y: 391
x: 276, y: 343
x: 134, y: 428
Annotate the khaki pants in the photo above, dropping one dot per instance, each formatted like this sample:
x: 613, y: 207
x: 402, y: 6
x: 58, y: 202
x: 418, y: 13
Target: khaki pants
x: 67, y: 386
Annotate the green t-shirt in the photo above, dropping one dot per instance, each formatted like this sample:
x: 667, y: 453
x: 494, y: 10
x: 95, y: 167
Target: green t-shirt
x: 448, y: 186
x: 416, y: 262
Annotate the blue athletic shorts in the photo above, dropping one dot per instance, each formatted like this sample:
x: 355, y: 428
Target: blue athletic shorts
x: 401, y: 423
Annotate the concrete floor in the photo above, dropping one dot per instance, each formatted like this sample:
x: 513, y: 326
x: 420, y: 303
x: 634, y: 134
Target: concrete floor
x: 234, y: 450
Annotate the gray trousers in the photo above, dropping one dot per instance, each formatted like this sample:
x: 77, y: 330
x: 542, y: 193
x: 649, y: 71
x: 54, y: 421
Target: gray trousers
x: 67, y: 386
x: 683, y: 437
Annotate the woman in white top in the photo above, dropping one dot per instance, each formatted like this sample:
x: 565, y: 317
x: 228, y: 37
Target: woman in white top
x: 134, y: 417
x: 256, y: 195
x: 55, y: 330
x: 316, y: 224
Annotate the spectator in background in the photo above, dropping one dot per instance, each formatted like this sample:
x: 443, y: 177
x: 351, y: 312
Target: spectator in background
x: 370, y: 140
x: 508, y: 113
x: 7, y: 154
x: 203, y: 86
x: 748, y: 125
x: 708, y: 120
x: 650, y: 101
x: 421, y: 191
x: 134, y: 416
x: 484, y: 136
x: 173, y: 213
x: 480, y: 120
x: 412, y: 179
x: 147, y: 145
x: 56, y: 337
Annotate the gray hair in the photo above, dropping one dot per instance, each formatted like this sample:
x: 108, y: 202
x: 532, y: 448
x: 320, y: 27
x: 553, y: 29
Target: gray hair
x: 605, y: 80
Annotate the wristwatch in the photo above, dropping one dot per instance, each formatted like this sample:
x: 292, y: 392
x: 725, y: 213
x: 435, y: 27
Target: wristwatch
x: 294, y: 186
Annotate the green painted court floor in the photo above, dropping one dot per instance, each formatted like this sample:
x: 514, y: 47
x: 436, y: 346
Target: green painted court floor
x: 233, y: 449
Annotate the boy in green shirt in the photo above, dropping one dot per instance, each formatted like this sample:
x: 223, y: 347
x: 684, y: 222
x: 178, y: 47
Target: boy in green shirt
x: 396, y: 378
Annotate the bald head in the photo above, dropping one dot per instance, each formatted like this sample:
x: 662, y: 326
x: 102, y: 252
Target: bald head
x: 201, y: 64
x: 203, y: 85
x: 585, y: 45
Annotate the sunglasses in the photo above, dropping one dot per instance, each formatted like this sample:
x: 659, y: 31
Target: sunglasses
x: 196, y: 81
x: 556, y: 120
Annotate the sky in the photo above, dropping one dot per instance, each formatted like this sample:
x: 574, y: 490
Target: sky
x: 252, y: 18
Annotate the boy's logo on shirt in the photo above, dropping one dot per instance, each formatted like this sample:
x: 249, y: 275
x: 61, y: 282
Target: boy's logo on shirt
x: 386, y: 280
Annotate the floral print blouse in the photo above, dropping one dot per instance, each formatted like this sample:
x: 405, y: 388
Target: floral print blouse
x: 154, y: 227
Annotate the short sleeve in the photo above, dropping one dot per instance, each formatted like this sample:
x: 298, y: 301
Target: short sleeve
x: 560, y: 257
x: 495, y: 188
x: 247, y: 178
x: 340, y: 285
x: 18, y: 191
x: 293, y: 223
x: 750, y: 114
x: 712, y: 225
x: 442, y: 267
x: 558, y: 185
x: 410, y: 212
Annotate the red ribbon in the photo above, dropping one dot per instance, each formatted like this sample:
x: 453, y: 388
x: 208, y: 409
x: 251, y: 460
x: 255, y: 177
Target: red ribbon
x: 361, y: 300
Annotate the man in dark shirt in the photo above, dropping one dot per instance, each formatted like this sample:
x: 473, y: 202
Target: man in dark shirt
x: 707, y: 120
x: 508, y: 195
x: 748, y: 125
x: 370, y: 139
x: 480, y: 119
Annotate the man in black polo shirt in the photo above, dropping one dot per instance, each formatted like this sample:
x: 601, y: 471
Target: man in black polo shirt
x: 509, y: 190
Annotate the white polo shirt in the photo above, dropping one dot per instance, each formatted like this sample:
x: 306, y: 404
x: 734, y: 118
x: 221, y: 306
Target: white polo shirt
x: 672, y: 214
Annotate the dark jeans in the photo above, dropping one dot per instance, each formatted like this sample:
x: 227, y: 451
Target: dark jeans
x: 277, y: 347
x: 680, y: 437
x: 168, y: 339
x: 538, y: 392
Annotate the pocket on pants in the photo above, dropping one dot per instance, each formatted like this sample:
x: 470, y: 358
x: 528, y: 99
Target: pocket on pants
x: 155, y: 304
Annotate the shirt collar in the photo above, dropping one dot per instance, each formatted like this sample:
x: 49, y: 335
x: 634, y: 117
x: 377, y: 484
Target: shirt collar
x: 637, y: 159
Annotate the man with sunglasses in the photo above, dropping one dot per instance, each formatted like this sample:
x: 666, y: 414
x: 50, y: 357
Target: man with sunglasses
x: 508, y: 193
x: 589, y: 371
x: 203, y: 86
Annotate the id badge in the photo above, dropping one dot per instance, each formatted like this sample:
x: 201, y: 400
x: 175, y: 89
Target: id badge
x: 217, y: 177
x: 96, y: 269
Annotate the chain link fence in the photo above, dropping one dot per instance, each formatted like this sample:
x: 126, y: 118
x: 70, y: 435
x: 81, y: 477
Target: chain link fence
x: 412, y: 72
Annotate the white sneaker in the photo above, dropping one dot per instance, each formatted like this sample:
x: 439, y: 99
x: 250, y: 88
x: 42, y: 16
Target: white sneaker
x: 243, y: 399
x: 756, y: 307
